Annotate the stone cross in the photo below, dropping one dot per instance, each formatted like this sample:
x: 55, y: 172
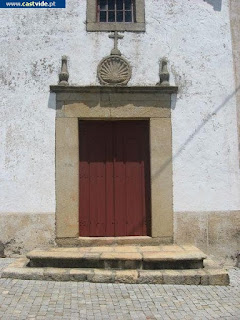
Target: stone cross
x: 116, y: 37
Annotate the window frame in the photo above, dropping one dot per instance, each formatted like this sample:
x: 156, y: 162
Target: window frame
x: 117, y: 12
x: 93, y: 25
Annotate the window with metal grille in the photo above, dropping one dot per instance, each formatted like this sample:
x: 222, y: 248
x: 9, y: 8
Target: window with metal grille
x: 115, y: 15
x: 115, y: 10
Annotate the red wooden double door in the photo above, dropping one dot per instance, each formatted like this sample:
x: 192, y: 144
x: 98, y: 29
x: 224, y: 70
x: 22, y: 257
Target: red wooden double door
x: 114, y: 188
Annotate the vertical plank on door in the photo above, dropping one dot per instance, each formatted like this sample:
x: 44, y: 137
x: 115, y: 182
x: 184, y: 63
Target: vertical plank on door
x: 131, y: 164
x: 134, y: 179
x: 95, y: 184
x: 120, y: 204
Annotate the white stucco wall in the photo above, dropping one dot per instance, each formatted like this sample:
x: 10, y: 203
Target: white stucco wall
x: 191, y: 34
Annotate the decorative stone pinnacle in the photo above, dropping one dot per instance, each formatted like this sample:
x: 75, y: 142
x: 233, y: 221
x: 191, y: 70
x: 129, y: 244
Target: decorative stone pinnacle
x: 163, y: 73
x: 64, y: 75
x: 116, y: 37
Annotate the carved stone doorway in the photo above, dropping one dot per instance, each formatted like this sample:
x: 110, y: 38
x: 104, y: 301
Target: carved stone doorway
x: 113, y: 103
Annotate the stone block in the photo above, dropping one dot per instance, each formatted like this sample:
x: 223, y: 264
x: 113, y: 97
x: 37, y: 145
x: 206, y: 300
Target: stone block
x: 19, y: 234
x: 23, y: 273
x: 161, y: 177
x: 92, y: 255
x: 173, y: 277
x: 150, y: 277
x: 121, y: 256
x: 204, y: 276
x: 172, y: 248
x: 191, y: 277
x: 101, y: 249
x: 211, y: 264
x: 126, y: 276
x: 217, y: 233
x: 67, y: 162
x: 224, y: 233
x: 86, y: 109
x: 218, y: 277
x: 126, y: 249
x: 191, y: 228
x: 142, y: 110
x: 150, y: 249
x: 56, y: 274
x: 79, y: 274
x: 173, y: 256
x: 20, y: 263
x: 101, y: 276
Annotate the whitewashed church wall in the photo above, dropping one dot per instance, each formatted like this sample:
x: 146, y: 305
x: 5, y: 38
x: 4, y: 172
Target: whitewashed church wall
x: 195, y: 36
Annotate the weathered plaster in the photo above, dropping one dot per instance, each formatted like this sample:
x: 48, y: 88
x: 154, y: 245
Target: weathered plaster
x: 21, y: 232
x: 198, y: 47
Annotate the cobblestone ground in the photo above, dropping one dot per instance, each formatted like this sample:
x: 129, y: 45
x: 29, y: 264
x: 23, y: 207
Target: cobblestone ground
x: 71, y: 300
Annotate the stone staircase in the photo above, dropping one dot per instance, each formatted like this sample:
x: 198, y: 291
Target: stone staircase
x: 162, y: 264
x: 120, y: 257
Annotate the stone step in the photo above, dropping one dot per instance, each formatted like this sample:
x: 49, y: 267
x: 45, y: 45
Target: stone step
x: 212, y: 274
x: 119, y: 257
x: 111, y: 241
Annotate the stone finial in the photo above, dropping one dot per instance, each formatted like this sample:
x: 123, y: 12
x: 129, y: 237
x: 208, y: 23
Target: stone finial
x: 64, y: 75
x: 163, y: 73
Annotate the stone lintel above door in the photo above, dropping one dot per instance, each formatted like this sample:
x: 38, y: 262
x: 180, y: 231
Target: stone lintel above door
x: 111, y: 102
x: 151, y: 103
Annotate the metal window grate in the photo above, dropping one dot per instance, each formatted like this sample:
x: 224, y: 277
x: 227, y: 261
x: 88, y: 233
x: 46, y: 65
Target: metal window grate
x: 115, y: 10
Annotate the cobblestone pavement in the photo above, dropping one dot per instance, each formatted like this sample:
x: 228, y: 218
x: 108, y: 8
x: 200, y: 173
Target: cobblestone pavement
x: 81, y: 300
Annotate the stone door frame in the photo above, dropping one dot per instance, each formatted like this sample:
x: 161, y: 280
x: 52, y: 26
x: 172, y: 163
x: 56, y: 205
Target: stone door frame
x: 113, y: 103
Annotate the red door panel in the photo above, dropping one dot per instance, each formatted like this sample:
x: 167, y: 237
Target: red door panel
x: 130, y: 164
x: 114, y: 178
x: 96, y: 212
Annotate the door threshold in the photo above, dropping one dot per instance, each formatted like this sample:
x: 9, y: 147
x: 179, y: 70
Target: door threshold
x: 112, y: 241
x: 116, y: 238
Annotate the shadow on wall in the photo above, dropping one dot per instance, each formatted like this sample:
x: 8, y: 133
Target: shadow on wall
x: 52, y: 101
x: 196, y: 131
x: 217, y: 4
x: 2, y: 255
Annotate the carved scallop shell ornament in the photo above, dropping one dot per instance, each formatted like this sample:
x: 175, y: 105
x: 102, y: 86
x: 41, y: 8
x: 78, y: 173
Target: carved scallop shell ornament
x: 114, y: 70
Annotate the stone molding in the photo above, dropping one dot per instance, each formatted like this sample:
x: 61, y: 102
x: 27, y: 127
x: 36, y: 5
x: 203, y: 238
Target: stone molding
x: 113, y: 89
